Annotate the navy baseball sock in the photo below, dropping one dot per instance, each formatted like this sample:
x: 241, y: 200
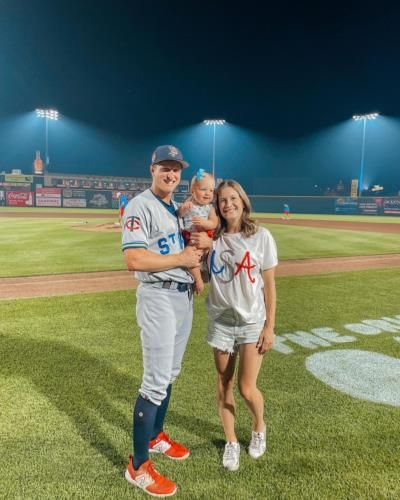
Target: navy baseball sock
x: 144, y: 415
x: 161, y: 412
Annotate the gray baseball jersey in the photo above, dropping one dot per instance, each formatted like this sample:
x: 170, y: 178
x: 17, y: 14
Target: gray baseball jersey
x: 148, y: 224
x: 236, y: 283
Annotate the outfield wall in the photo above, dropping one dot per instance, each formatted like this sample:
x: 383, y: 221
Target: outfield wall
x: 377, y: 205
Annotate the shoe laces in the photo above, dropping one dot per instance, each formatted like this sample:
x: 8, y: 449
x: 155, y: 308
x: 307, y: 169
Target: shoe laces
x: 257, y: 439
x: 155, y: 475
x: 230, y: 451
x: 164, y: 437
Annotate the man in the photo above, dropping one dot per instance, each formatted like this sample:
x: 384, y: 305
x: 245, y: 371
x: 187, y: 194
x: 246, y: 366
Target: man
x: 153, y: 248
x: 122, y: 204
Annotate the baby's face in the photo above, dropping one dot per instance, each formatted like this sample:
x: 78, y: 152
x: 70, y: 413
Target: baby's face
x: 203, y: 191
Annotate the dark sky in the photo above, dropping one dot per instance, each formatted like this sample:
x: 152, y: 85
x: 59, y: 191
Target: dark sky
x: 139, y: 69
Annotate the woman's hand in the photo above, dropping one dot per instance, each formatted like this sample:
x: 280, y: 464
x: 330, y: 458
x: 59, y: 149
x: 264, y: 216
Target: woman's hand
x: 265, y: 340
x: 201, y: 240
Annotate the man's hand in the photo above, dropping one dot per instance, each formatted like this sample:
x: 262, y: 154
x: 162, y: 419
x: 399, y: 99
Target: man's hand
x: 266, y: 340
x: 190, y: 257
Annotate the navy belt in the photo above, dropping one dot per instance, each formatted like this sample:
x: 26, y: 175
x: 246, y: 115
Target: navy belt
x: 173, y: 285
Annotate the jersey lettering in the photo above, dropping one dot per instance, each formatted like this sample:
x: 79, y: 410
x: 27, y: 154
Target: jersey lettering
x: 163, y: 245
x: 172, y: 239
x: 246, y: 264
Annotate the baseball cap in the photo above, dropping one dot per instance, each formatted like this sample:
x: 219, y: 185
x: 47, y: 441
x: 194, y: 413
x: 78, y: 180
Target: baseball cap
x: 168, y: 152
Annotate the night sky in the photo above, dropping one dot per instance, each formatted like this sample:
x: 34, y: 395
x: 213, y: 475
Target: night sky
x: 128, y: 75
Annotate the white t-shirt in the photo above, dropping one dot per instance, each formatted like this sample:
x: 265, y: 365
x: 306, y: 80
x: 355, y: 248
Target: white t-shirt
x: 236, y: 283
x: 148, y: 224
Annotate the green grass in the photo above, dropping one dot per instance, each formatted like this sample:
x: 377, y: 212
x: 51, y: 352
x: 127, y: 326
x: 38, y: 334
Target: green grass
x: 50, y: 246
x: 34, y: 246
x: 296, y: 242
x: 70, y: 368
x: 331, y: 217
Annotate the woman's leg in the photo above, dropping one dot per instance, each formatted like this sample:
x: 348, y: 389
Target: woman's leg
x: 225, y: 365
x: 249, y: 367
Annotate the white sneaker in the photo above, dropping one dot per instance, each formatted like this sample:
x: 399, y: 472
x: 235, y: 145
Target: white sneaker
x: 231, y: 456
x: 258, y: 444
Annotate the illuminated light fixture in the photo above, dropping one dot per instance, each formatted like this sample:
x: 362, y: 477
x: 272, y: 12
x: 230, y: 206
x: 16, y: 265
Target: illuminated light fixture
x: 364, y: 119
x: 47, y: 114
x: 214, y: 124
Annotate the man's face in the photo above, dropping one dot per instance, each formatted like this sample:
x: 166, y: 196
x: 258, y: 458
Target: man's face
x: 166, y: 176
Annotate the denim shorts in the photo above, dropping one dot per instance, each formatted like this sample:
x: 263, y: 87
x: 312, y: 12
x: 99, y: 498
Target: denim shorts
x: 227, y: 338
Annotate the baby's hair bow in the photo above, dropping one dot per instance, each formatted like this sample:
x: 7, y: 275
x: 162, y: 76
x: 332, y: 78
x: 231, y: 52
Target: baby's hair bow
x: 199, y: 174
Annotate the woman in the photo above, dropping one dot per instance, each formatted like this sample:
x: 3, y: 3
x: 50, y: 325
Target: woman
x: 241, y: 310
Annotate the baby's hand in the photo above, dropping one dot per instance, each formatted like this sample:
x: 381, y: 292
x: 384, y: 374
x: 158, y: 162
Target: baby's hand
x: 199, y: 286
x: 185, y: 207
x: 198, y: 221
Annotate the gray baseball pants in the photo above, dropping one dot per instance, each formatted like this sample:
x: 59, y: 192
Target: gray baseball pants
x: 165, y: 319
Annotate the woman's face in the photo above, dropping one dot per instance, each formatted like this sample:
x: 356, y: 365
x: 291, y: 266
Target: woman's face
x: 230, y: 205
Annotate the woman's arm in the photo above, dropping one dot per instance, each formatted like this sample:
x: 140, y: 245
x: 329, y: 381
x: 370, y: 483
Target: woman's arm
x: 267, y: 336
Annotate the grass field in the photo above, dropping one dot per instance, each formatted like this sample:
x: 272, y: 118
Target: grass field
x: 34, y: 246
x: 70, y: 368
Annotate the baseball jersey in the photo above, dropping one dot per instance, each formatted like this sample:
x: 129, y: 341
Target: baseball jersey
x: 236, y: 283
x: 147, y: 223
x: 196, y: 211
x: 123, y: 201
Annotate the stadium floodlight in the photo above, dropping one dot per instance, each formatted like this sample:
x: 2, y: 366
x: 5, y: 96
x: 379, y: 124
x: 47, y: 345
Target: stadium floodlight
x: 47, y: 114
x: 214, y: 124
x: 364, y: 119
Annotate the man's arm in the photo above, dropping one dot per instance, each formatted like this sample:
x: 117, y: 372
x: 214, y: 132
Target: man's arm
x: 140, y: 259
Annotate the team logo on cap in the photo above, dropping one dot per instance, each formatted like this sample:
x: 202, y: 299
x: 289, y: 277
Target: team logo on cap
x: 173, y: 151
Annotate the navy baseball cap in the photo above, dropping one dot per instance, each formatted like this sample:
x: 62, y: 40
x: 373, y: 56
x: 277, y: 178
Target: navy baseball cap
x: 163, y: 153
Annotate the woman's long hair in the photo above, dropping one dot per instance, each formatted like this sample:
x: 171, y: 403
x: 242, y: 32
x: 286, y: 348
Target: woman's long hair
x: 248, y: 226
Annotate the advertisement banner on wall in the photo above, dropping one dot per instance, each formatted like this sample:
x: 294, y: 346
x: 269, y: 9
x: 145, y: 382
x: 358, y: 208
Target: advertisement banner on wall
x: 2, y: 198
x: 370, y: 206
x: 346, y: 206
x: 74, y: 193
x: 18, y: 178
x: 99, y: 199
x: 74, y: 202
x: 48, y: 197
x: 391, y: 206
x: 19, y: 199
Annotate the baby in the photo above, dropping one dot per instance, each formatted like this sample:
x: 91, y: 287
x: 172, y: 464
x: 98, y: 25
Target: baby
x: 199, y: 214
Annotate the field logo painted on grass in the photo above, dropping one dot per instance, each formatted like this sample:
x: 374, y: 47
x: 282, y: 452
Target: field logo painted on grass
x: 361, y: 374
x: 326, y: 336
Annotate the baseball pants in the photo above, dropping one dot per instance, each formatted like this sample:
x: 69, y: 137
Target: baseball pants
x: 165, y: 318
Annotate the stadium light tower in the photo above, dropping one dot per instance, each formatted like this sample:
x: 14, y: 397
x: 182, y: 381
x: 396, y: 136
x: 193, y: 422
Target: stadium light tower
x: 47, y: 114
x: 214, y: 124
x: 364, y: 118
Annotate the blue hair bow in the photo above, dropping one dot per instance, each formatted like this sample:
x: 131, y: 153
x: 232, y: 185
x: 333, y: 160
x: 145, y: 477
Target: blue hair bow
x: 199, y: 174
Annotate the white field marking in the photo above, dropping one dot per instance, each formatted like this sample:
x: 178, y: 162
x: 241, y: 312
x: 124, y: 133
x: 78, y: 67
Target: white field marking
x: 326, y: 336
x: 361, y: 374
x: 397, y: 338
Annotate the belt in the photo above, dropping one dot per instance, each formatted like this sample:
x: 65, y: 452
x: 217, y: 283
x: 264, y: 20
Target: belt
x: 172, y: 285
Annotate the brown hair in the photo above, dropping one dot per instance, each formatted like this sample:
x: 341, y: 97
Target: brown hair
x: 248, y: 226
